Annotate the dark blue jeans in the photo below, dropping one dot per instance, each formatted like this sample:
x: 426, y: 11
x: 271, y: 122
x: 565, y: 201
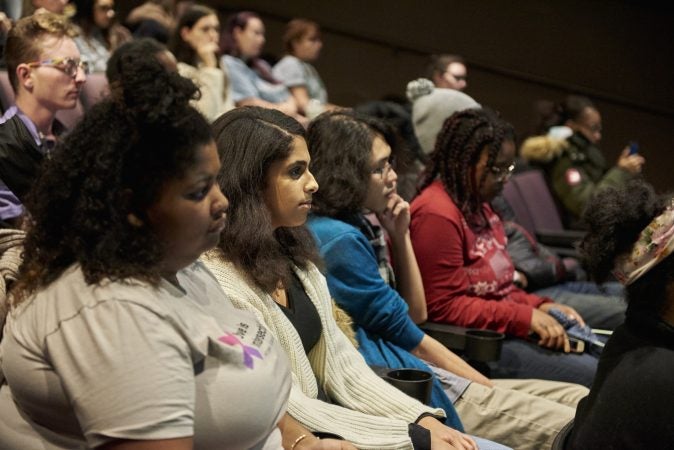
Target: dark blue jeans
x: 524, y: 359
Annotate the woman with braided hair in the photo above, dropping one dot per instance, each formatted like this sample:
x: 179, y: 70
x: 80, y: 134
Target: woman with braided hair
x: 460, y: 246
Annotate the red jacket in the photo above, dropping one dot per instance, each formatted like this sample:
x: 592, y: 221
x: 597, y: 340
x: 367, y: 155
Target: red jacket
x: 468, y: 276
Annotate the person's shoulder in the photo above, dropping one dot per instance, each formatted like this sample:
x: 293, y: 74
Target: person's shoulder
x: 326, y: 229
x: 233, y: 62
x: 71, y: 293
x: 288, y: 61
x: 434, y: 199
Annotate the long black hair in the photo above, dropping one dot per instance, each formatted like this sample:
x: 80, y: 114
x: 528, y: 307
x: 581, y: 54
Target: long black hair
x: 250, y: 139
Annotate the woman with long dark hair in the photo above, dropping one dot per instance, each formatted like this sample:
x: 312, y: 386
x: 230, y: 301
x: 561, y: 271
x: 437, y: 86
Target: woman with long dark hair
x: 266, y: 263
x: 100, y: 35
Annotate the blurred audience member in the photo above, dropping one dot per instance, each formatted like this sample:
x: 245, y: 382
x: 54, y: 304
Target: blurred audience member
x: 448, y: 72
x: 31, y: 7
x: 431, y: 106
x: 195, y: 45
x: 302, y: 42
x: 576, y: 168
x: 252, y: 80
x: 154, y: 18
x: 99, y: 34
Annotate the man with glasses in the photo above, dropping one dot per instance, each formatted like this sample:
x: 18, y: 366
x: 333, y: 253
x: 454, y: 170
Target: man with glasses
x: 448, y: 72
x: 46, y: 73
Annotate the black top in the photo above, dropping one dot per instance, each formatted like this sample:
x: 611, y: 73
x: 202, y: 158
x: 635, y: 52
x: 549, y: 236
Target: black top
x: 631, y: 400
x: 20, y: 156
x: 303, y: 315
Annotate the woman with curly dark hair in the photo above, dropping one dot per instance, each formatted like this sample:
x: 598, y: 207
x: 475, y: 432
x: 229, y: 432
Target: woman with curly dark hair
x: 266, y: 264
x: 118, y: 336
x: 386, y: 303
x: 460, y: 245
x: 632, y: 236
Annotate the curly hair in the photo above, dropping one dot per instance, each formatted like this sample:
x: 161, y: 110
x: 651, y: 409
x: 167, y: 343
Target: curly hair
x: 340, y: 144
x: 461, y: 141
x: 182, y: 50
x: 129, y: 54
x: 616, y: 217
x: 113, y: 164
x: 249, y: 141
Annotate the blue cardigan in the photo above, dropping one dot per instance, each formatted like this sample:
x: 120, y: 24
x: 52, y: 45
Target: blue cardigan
x: 384, y: 330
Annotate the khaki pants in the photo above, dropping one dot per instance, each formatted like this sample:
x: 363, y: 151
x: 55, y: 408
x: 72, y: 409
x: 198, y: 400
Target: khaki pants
x: 523, y: 414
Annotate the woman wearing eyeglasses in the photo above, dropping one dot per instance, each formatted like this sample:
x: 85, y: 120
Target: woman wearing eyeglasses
x: 460, y: 246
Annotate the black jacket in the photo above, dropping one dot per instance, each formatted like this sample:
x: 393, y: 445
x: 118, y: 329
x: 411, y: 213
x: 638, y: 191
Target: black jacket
x: 631, y: 400
x: 20, y: 156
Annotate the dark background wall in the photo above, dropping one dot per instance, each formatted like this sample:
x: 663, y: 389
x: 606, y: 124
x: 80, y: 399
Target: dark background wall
x: 619, y: 53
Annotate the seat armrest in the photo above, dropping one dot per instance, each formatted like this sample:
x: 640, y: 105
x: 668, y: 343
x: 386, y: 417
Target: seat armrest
x: 476, y: 345
x: 451, y: 336
x: 559, y: 238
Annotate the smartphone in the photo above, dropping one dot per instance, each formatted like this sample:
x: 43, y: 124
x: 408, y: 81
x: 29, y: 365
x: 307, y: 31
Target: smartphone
x: 634, y: 148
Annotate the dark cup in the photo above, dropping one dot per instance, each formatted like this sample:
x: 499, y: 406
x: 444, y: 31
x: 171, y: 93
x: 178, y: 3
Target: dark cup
x: 413, y: 382
x: 483, y: 345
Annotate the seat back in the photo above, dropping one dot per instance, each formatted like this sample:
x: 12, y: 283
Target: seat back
x: 6, y: 91
x: 519, y: 207
x: 531, y: 190
x: 94, y: 89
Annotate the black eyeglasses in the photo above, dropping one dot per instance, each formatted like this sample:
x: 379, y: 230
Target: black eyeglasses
x: 385, y: 169
x: 502, y: 173
x: 68, y: 65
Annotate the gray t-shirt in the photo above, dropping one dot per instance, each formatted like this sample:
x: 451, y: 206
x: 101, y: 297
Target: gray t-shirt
x: 87, y: 364
x: 246, y: 83
x: 293, y: 72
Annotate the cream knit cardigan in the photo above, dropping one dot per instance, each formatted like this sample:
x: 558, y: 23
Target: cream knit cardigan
x: 373, y: 414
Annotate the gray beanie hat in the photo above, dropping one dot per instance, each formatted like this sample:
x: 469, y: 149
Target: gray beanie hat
x: 431, y: 106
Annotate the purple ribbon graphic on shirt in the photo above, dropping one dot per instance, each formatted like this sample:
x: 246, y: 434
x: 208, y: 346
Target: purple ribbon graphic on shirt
x: 248, y: 351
